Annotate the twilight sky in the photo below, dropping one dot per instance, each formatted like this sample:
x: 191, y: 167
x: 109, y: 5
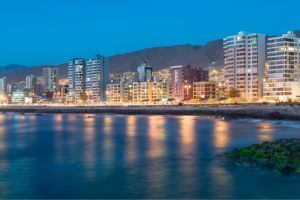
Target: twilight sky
x: 34, y: 32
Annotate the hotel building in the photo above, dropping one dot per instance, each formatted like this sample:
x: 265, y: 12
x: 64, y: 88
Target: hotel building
x: 282, y: 81
x: 244, y: 57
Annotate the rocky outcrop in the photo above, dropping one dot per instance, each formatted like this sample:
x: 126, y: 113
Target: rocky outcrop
x: 281, y: 156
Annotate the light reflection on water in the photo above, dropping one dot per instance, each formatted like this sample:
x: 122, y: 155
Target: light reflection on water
x: 118, y: 156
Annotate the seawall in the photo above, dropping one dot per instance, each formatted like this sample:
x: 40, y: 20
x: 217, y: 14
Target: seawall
x: 259, y: 112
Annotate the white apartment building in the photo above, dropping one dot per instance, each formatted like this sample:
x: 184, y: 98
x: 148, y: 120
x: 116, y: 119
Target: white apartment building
x: 244, y: 57
x: 3, y: 86
x: 97, y: 77
x: 76, y: 76
x: 50, y: 77
x: 283, y: 68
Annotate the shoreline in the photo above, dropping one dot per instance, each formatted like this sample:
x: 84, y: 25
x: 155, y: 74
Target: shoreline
x: 256, y: 112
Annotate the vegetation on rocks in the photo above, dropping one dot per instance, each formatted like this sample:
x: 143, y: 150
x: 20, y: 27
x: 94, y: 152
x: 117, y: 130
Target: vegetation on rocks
x: 281, y: 156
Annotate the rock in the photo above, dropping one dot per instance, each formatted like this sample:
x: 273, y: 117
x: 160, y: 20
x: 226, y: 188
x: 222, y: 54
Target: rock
x: 279, y: 156
x: 297, y: 171
x: 275, y: 115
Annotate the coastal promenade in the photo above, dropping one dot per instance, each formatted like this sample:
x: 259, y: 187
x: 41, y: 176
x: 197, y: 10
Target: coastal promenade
x: 227, y: 111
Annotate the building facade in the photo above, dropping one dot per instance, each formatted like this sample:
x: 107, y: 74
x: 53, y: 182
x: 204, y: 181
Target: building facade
x: 160, y: 91
x: 282, y: 81
x: 31, y: 83
x: 50, y: 79
x: 144, y: 73
x: 244, y: 57
x: 119, y: 93
x: 76, y: 76
x: 141, y: 92
x: 3, y: 86
x: 97, y: 77
x: 182, y: 81
x: 204, y: 90
x: 115, y: 78
x: 163, y: 75
x: 129, y: 77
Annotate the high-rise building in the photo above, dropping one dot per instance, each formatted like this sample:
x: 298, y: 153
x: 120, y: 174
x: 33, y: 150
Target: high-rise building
x: 182, y: 81
x: 88, y: 79
x: 39, y: 90
x: 3, y: 86
x: 97, y: 77
x: 76, y: 76
x: 31, y: 83
x: 62, y: 90
x: 50, y: 77
x: 244, y: 56
x: 201, y: 74
x: 144, y: 73
x: 283, y: 68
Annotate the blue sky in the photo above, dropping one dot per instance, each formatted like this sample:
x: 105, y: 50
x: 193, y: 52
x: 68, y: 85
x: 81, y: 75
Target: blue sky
x: 34, y: 32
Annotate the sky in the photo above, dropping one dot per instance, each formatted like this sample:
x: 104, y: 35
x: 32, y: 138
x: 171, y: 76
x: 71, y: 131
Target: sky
x: 34, y: 32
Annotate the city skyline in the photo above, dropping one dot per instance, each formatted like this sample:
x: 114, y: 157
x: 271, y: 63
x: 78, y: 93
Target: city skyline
x: 48, y: 25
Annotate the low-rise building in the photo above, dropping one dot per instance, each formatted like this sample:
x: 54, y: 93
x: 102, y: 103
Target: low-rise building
x: 141, y: 92
x: 21, y: 96
x: 119, y: 93
x: 182, y: 81
x: 160, y: 91
x: 204, y: 90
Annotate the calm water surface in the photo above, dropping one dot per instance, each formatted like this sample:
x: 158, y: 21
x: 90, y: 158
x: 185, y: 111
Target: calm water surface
x: 118, y: 156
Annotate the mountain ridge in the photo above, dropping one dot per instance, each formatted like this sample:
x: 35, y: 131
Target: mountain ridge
x: 210, y: 54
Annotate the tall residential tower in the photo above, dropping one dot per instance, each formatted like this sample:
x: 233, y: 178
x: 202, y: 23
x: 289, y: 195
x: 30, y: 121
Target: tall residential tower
x: 76, y: 76
x: 50, y: 77
x: 88, y: 79
x: 97, y: 77
x: 244, y: 57
x: 283, y: 68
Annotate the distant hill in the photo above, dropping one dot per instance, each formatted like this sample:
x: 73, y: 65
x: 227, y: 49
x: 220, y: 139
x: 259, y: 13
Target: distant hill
x: 20, y: 73
x: 158, y: 57
x: 10, y: 68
